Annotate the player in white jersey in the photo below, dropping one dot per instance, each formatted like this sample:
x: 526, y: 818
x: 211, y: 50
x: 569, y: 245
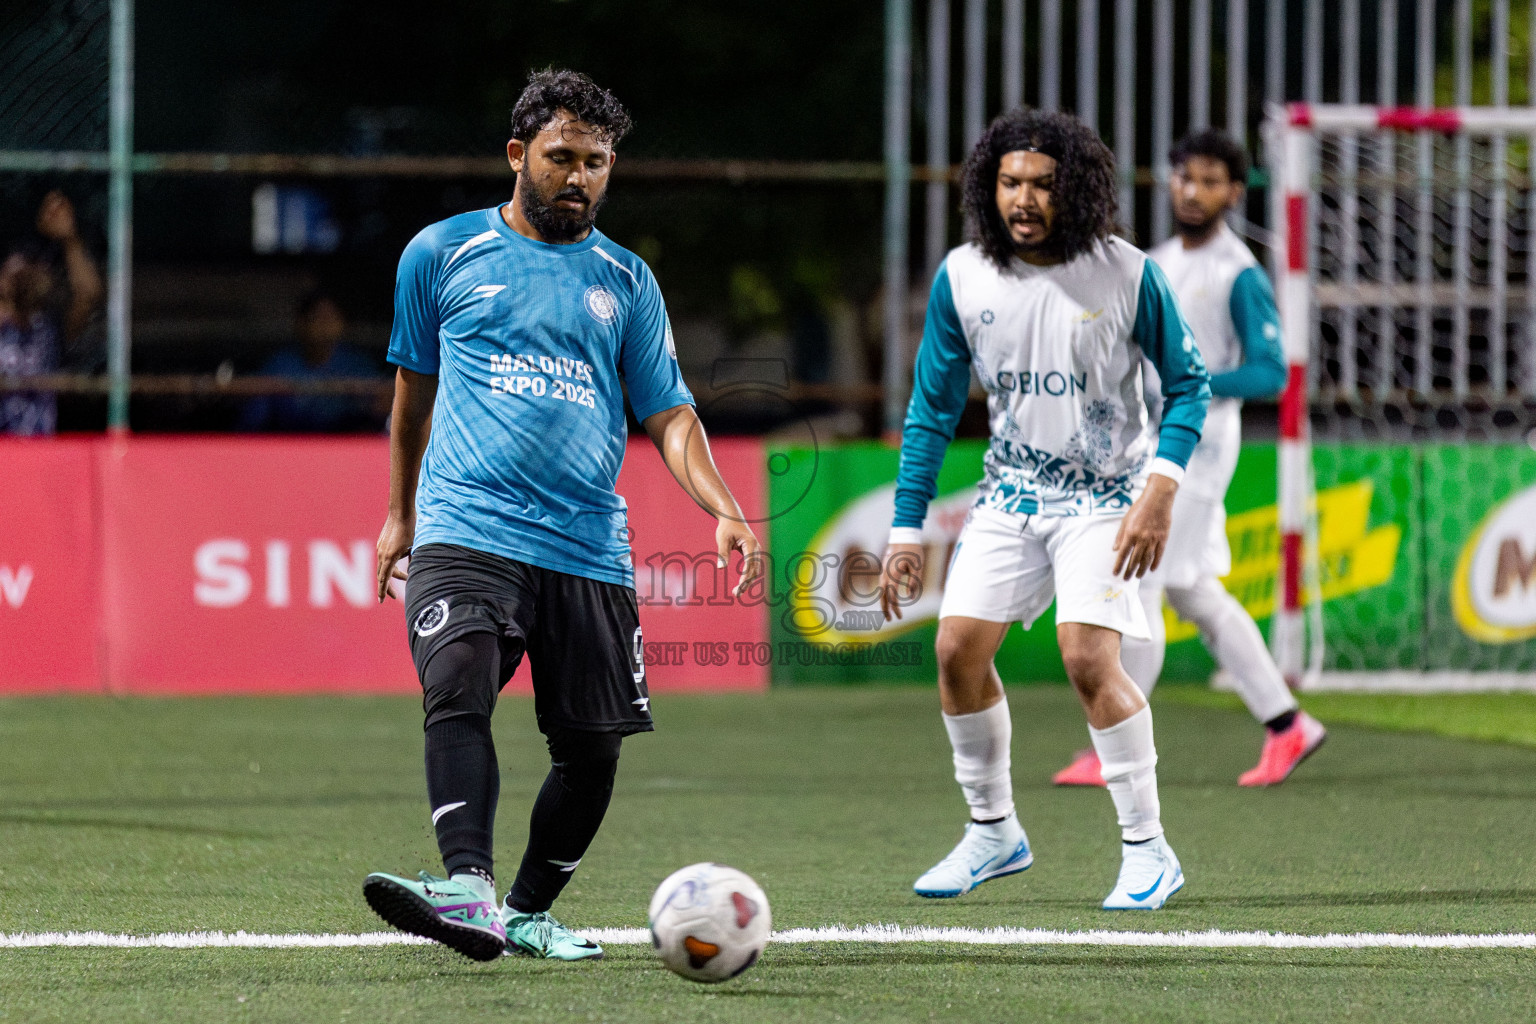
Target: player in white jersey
x: 1230, y: 306
x: 1055, y: 315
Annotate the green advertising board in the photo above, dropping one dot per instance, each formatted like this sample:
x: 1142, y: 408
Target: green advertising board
x: 1426, y: 561
x: 1479, y: 511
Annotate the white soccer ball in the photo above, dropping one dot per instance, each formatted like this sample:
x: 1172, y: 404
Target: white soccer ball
x: 709, y: 922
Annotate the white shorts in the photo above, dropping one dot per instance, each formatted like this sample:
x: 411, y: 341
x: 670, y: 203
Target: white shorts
x: 1007, y: 567
x: 1197, y: 544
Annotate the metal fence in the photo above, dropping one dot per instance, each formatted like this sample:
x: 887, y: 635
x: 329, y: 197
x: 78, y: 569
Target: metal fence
x: 1146, y: 71
x: 1141, y: 71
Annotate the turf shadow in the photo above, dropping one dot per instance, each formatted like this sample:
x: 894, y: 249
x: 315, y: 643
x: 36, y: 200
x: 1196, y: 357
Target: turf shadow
x: 58, y: 821
x: 1391, y: 898
x: 1185, y: 901
x: 1110, y: 956
x: 214, y: 802
x: 772, y: 993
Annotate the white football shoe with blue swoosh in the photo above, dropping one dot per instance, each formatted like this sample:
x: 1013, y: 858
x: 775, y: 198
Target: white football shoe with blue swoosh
x: 986, y: 851
x: 1149, y: 874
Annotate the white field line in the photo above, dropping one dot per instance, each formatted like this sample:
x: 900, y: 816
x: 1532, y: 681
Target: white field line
x: 866, y: 933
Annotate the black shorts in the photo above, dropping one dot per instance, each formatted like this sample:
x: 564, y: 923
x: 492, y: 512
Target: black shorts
x: 582, y: 636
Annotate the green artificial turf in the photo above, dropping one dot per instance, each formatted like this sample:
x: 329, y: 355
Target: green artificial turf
x: 1492, y: 717
x: 264, y: 814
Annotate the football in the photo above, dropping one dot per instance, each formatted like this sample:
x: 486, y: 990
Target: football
x: 709, y: 922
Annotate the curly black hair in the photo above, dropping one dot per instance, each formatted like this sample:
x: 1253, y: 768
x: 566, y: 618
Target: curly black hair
x: 555, y: 89
x: 1082, y: 191
x: 1217, y: 145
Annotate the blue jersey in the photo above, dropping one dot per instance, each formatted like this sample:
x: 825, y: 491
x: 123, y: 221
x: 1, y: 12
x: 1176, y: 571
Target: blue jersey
x: 530, y: 343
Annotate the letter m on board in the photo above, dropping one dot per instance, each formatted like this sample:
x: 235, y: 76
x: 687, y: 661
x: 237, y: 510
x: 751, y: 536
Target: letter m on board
x: 1513, y: 568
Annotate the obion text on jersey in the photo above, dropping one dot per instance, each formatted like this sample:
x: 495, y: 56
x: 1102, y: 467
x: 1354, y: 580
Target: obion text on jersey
x: 1054, y: 382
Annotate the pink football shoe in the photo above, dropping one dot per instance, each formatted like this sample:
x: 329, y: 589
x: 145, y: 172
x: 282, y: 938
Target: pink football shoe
x: 1084, y: 770
x: 1283, y: 751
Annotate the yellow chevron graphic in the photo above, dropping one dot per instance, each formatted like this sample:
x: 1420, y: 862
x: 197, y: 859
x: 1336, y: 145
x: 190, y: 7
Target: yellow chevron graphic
x: 1351, y: 557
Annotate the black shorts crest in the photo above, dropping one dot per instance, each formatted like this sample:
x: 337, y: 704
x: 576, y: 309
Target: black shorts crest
x: 432, y: 618
x: 582, y: 636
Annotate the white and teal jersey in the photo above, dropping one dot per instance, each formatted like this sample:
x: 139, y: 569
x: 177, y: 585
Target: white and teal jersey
x: 532, y: 345
x: 1227, y: 299
x: 1059, y: 351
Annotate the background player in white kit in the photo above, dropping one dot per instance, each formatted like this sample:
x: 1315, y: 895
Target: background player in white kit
x: 1230, y: 306
x: 1055, y: 314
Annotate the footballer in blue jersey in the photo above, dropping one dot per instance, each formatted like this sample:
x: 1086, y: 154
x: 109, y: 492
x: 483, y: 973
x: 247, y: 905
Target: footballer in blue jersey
x: 518, y: 331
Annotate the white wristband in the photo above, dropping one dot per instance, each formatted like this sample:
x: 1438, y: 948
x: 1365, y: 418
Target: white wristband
x: 906, y: 535
x: 1168, y: 468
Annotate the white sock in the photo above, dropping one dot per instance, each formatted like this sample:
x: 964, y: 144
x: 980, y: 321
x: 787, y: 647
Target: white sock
x: 1129, y: 762
x: 982, y: 760
x: 477, y: 884
x: 1143, y: 659
x: 1237, y: 645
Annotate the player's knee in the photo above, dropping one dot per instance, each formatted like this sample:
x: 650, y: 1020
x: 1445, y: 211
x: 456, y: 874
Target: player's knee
x: 459, y: 679
x: 959, y: 656
x: 584, y: 757
x: 1090, y: 665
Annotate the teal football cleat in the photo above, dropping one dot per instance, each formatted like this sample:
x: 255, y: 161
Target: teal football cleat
x: 986, y: 851
x: 438, y: 909
x: 540, y: 935
x: 1149, y: 874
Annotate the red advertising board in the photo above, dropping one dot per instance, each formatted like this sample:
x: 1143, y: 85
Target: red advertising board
x: 692, y: 628
x: 50, y: 597
x: 246, y: 565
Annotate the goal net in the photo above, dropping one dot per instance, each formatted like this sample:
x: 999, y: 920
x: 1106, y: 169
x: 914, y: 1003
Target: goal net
x: 1405, y: 265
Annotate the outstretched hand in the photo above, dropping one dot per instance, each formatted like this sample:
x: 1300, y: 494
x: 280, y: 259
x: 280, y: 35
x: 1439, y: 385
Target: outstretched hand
x: 735, y: 535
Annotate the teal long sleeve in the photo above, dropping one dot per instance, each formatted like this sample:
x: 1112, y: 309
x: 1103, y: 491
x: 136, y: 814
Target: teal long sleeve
x: 941, y: 381
x: 1166, y: 339
x: 1262, y: 373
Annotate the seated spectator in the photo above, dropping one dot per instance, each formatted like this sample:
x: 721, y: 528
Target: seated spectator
x: 33, y: 332
x: 319, y: 354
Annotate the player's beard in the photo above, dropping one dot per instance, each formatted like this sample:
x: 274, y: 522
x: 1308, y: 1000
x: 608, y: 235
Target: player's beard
x: 554, y: 223
x: 1040, y: 248
x: 1201, y: 231
x: 1045, y: 247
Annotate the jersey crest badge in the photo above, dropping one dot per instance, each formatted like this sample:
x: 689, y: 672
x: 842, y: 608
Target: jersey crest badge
x: 432, y: 618
x: 601, y: 304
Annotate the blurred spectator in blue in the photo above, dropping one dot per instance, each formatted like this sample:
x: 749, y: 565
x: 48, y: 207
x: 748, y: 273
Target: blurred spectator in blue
x: 33, y: 327
x: 319, y: 354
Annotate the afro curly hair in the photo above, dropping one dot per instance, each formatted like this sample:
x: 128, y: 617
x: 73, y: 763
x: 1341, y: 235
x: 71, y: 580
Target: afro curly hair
x: 1082, y: 190
x: 555, y: 89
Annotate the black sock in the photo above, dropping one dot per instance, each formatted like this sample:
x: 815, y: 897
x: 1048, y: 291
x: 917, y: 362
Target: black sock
x: 463, y: 783
x: 988, y: 821
x: 566, y: 815
x: 1280, y: 723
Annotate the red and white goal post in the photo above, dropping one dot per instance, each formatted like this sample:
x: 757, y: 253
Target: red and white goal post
x: 1405, y: 276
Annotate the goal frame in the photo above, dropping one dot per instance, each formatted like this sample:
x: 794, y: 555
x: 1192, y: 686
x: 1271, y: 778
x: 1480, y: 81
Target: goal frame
x: 1290, y: 133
